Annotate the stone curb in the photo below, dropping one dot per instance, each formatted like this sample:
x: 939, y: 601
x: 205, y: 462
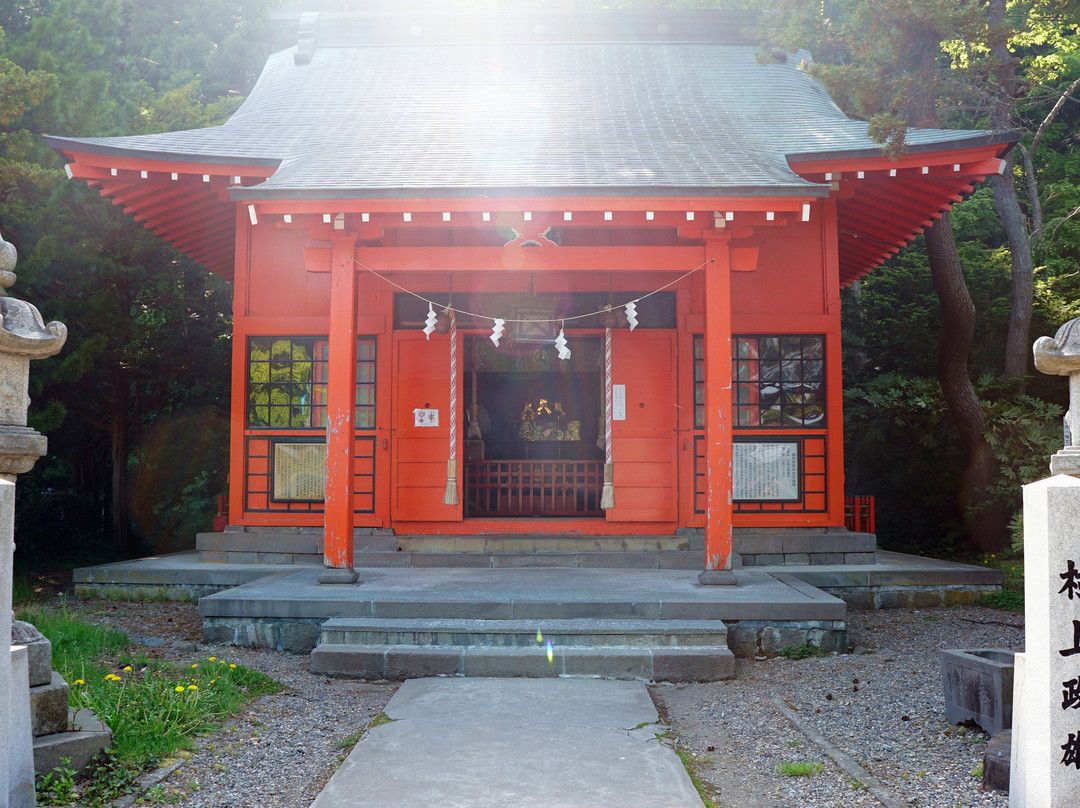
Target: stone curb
x: 846, y: 764
x: 147, y: 782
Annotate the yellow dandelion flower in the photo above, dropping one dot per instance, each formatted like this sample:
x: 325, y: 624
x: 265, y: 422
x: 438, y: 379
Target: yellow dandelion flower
x: 80, y: 682
x: 195, y: 664
x: 111, y: 677
x: 232, y: 666
x: 192, y: 687
x: 222, y: 662
x: 179, y: 688
x: 211, y: 659
x: 127, y: 667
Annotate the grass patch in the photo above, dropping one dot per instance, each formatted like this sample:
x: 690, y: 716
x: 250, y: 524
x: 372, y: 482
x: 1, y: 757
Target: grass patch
x: 803, y: 651
x: 1011, y: 596
x: 153, y: 707
x: 799, y: 768
x: 691, y: 769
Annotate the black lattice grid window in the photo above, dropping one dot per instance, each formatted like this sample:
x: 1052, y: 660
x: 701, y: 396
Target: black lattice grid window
x: 779, y: 382
x: 287, y: 381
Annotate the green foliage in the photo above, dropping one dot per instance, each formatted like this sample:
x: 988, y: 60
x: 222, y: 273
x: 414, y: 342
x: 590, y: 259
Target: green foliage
x: 799, y: 768
x: 804, y: 651
x: 153, y: 707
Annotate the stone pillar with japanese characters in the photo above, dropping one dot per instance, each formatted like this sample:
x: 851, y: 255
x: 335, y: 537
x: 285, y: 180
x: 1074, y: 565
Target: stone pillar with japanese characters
x: 1046, y: 686
x: 23, y: 336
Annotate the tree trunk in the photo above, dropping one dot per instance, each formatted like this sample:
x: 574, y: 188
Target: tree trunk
x: 957, y: 334
x: 1006, y: 203
x: 1018, y: 342
x: 120, y: 506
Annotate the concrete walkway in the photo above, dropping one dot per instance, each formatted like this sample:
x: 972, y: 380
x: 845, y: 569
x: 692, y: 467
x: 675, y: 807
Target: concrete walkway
x: 519, y: 743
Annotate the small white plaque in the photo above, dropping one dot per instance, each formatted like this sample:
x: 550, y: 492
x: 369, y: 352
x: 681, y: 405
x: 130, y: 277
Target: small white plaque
x: 618, y: 402
x: 425, y: 417
x: 766, y: 471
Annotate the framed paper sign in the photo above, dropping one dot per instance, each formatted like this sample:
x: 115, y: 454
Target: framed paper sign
x: 766, y: 471
x: 299, y: 471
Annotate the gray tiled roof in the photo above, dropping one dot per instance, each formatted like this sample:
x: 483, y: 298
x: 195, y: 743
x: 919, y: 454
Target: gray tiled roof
x: 584, y: 117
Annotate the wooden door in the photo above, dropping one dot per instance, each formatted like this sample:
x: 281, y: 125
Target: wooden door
x: 421, y: 379
x: 644, y: 450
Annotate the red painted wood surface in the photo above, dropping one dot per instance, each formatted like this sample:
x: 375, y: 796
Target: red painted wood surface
x: 421, y: 380
x: 341, y: 409
x: 644, y: 445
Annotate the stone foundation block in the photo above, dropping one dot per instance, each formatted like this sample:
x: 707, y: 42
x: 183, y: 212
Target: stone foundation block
x: 49, y: 706
x: 510, y: 662
x: 609, y: 663
x: 349, y: 661
x: 769, y: 560
x: 241, y: 557
x: 818, y: 559
x: 274, y: 558
x: 693, y: 665
x: 213, y: 557
x: 299, y: 638
x: 412, y: 663
x: 743, y: 640
x: 774, y: 639
x: 796, y: 559
x: 860, y: 558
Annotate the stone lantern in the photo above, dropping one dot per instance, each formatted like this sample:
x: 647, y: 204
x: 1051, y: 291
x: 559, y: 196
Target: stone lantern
x: 1060, y: 356
x: 23, y: 336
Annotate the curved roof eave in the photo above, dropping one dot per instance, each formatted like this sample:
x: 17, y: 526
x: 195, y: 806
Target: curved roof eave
x: 97, y: 146
x: 982, y: 139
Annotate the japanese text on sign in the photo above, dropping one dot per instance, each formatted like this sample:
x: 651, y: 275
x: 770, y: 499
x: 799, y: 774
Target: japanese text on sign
x: 1070, y: 695
x: 425, y: 417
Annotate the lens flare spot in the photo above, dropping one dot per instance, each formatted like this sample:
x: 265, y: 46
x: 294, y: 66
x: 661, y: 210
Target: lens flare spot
x: 551, y: 652
x: 539, y: 636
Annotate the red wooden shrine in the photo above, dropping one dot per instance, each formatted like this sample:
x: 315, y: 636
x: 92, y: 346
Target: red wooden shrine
x: 368, y: 176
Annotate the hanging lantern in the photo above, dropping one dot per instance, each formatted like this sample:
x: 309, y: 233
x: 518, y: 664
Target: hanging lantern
x: 430, y: 322
x: 497, y: 331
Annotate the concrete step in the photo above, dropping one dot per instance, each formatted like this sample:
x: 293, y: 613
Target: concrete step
x: 652, y: 650
x: 524, y: 633
x: 541, y: 544
x: 608, y: 662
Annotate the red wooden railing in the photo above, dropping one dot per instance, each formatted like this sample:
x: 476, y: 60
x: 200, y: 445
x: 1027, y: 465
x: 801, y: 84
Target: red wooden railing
x: 859, y: 514
x: 533, y: 487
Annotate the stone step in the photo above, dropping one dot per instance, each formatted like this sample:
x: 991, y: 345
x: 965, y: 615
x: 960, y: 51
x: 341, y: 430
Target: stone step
x: 75, y: 748
x: 524, y: 633
x: 49, y: 706
x: 541, y: 544
x: 398, y: 662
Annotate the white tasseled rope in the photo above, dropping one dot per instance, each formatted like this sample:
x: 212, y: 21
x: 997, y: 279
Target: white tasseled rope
x: 607, y: 493
x: 451, y: 497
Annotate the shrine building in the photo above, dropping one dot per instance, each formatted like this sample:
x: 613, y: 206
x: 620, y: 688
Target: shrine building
x: 547, y: 274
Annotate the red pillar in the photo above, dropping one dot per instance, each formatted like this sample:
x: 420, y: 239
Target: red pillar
x: 341, y: 417
x: 718, y: 410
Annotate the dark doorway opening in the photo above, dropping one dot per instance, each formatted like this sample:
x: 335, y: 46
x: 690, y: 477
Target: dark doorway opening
x: 532, y: 423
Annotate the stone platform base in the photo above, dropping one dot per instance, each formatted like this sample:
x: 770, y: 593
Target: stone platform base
x: 378, y: 547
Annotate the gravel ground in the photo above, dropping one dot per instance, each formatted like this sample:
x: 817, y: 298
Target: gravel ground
x: 280, y: 752
x: 885, y: 709
x: 882, y: 706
